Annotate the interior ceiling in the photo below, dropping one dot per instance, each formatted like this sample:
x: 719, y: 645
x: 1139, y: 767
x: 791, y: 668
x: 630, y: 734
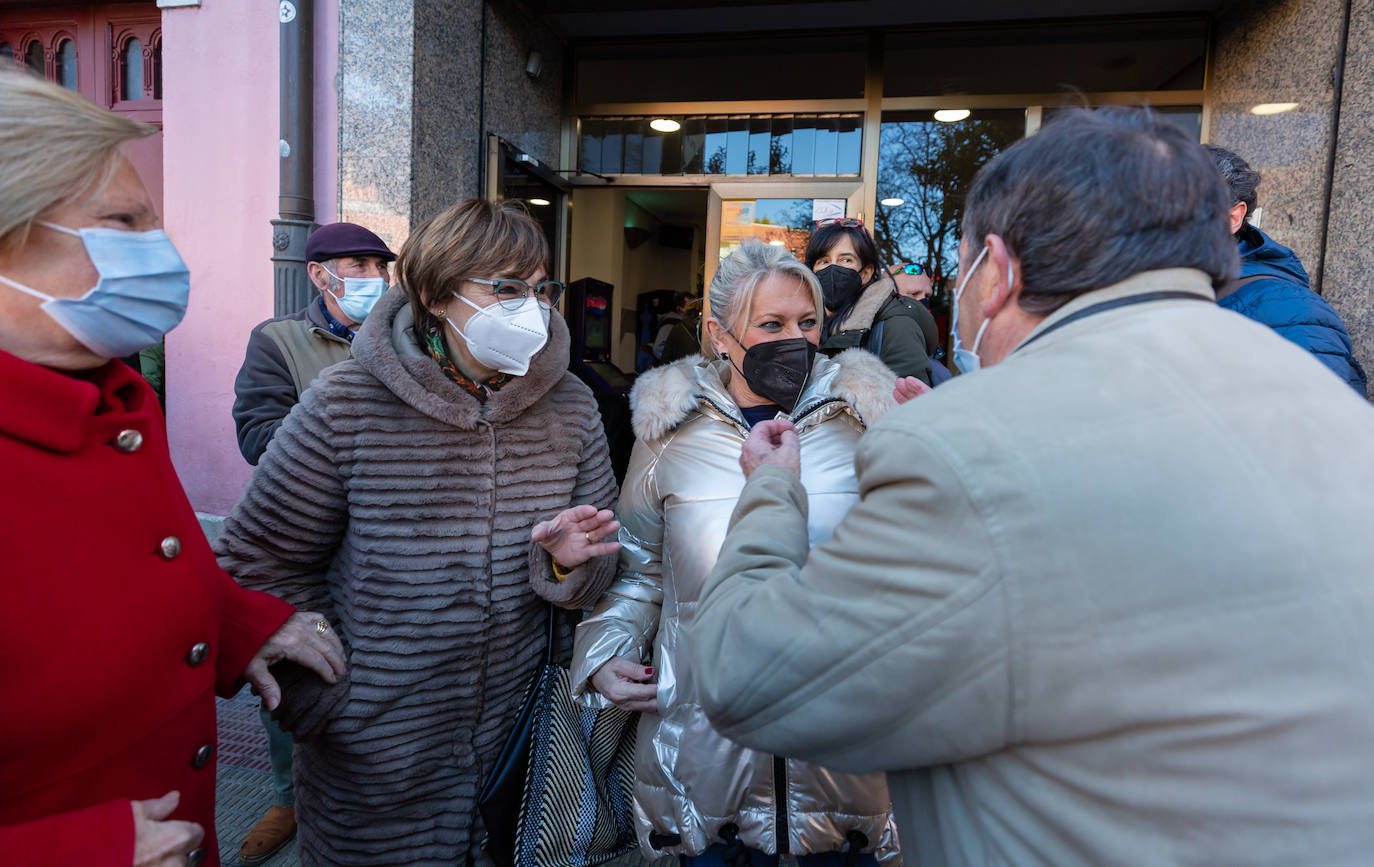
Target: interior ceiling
x: 676, y: 207
x: 594, y: 19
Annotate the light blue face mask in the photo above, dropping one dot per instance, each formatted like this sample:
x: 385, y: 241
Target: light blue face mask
x: 360, y: 294
x: 967, y: 360
x: 140, y: 296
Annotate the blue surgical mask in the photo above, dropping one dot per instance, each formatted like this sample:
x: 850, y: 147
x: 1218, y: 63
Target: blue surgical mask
x: 967, y: 360
x: 140, y: 296
x: 360, y: 294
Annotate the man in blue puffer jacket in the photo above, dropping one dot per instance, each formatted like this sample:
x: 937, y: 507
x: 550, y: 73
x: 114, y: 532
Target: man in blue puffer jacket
x: 1273, y: 288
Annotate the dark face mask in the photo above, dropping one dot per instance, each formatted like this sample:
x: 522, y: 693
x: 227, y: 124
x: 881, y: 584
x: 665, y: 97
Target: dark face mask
x: 777, y: 370
x: 839, y: 285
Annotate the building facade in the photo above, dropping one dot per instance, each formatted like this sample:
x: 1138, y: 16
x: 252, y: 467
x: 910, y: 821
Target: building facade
x: 648, y: 137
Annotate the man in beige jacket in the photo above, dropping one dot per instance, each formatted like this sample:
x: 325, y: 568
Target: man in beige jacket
x: 1109, y: 600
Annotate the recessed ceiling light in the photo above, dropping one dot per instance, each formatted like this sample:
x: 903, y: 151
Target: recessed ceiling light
x: 892, y: 202
x: 540, y: 202
x: 777, y: 243
x: 950, y: 115
x: 1273, y: 107
x: 664, y: 124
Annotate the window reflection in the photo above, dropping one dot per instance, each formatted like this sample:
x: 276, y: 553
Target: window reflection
x: 66, y: 64
x: 33, y: 58
x: 780, y: 222
x: 131, y: 70
x: 762, y: 144
x: 929, y: 165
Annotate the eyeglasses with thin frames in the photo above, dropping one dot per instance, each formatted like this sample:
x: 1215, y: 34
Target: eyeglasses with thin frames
x: 510, y: 293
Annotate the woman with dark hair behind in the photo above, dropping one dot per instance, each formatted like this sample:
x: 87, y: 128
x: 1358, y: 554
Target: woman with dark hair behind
x: 862, y: 307
x: 401, y: 497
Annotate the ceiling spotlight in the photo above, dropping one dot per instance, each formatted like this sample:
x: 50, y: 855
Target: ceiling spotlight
x: 1273, y: 107
x: 892, y: 202
x: 950, y: 115
x: 777, y: 243
x: 540, y: 202
x: 664, y: 124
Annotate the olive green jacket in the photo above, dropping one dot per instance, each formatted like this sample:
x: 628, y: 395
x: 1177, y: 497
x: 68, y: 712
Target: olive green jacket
x: 900, y: 331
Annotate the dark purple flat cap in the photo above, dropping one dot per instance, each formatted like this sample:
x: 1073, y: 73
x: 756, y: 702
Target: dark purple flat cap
x: 345, y: 239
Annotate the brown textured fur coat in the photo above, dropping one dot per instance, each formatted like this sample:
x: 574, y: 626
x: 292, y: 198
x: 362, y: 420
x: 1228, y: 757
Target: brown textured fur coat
x: 401, y: 508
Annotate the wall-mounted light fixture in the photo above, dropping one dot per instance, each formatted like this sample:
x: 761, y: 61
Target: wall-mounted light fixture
x: 664, y: 124
x: 534, y: 64
x: 1273, y: 107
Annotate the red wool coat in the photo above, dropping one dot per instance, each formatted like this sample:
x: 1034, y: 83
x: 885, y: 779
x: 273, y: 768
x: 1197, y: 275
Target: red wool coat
x: 117, y: 628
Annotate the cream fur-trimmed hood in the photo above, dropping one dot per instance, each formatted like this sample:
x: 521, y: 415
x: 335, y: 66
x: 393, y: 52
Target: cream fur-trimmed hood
x: 664, y: 397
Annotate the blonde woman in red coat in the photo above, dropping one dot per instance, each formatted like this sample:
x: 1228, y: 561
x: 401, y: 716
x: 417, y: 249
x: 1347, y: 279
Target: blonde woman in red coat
x: 117, y: 628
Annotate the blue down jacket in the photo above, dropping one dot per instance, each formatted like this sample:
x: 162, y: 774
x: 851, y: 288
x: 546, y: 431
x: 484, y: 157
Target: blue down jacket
x: 1286, y: 304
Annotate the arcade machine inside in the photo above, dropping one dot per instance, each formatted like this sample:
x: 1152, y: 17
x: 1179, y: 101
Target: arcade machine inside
x: 588, y: 310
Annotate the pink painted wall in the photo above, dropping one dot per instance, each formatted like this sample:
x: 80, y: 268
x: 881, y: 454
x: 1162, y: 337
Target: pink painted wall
x: 220, y: 170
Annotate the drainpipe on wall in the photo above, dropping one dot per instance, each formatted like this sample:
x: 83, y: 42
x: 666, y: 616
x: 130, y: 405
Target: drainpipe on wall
x: 296, y: 208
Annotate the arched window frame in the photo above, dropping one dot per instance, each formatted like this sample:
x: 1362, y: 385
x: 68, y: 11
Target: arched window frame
x: 21, y: 52
x: 54, y: 46
x: 147, y: 36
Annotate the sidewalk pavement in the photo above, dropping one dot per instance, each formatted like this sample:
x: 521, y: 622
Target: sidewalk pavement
x: 243, y: 791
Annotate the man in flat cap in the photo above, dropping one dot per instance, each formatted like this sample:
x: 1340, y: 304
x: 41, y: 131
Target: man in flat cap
x: 349, y: 265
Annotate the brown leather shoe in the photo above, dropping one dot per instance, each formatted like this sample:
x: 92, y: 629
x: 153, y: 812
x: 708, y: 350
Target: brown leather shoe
x: 273, y: 831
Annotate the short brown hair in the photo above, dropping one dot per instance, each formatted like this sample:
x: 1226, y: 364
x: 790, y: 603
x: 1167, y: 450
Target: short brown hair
x: 474, y: 238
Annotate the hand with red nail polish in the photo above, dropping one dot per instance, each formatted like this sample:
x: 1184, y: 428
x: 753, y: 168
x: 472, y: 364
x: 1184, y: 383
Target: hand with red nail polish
x: 625, y: 683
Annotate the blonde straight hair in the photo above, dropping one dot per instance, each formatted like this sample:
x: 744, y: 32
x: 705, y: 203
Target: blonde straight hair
x: 738, y: 276
x: 55, y: 147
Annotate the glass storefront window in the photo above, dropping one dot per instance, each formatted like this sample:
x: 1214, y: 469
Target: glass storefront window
x: 766, y: 144
x: 780, y: 222
x: 924, y: 169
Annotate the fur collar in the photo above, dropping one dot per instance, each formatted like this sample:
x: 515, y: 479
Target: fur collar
x: 386, y: 348
x: 665, y: 397
x: 867, y: 307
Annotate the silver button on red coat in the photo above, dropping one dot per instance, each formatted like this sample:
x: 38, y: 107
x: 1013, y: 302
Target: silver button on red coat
x: 195, y: 856
x: 129, y: 440
x: 202, y: 756
x: 196, y: 655
x: 169, y: 547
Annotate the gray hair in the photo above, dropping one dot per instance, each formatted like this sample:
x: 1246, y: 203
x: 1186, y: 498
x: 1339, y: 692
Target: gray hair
x: 740, y: 273
x: 55, y: 146
x: 1238, y: 176
x: 1097, y: 196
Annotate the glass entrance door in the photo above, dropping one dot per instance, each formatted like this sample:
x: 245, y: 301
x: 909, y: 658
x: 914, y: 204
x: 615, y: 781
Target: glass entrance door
x: 783, y: 215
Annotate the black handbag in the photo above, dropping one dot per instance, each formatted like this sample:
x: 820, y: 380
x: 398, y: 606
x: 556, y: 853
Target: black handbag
x: 504, y: 787
x: 561, y: 790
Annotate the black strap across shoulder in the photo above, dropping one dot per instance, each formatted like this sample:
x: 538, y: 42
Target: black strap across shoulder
x: 1104, y: 306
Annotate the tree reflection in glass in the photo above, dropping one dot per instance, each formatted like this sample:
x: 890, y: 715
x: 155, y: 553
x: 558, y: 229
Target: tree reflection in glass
x: 929, y: 166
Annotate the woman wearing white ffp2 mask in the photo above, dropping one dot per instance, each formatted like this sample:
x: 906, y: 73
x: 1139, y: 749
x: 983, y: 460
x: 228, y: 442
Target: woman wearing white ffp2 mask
x: 450, y: 471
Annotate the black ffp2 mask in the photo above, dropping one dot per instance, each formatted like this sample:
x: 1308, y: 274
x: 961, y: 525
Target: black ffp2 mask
x: 778, y: 369
x: 839, y: 285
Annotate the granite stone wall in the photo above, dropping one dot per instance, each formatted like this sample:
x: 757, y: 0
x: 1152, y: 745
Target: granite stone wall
x: 1287, y: 51
x: 414, y: 103
x: 1348, y: 282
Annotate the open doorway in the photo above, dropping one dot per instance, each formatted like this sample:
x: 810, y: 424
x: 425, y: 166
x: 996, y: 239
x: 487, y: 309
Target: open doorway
x: 648, y: 245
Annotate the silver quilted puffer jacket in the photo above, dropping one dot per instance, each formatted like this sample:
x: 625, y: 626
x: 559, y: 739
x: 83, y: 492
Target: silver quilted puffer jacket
x: 682, y: 484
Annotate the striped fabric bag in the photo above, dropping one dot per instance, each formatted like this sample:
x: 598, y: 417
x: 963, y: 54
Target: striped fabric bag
x: 578, y: 807
x: 570, y: 769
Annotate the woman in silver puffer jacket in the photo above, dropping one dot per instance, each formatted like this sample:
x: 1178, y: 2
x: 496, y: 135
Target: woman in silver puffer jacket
x: 698, y: 794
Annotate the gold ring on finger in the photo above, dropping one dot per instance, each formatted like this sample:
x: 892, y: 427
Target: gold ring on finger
x: 321, y: 627
x: 590, y: 541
